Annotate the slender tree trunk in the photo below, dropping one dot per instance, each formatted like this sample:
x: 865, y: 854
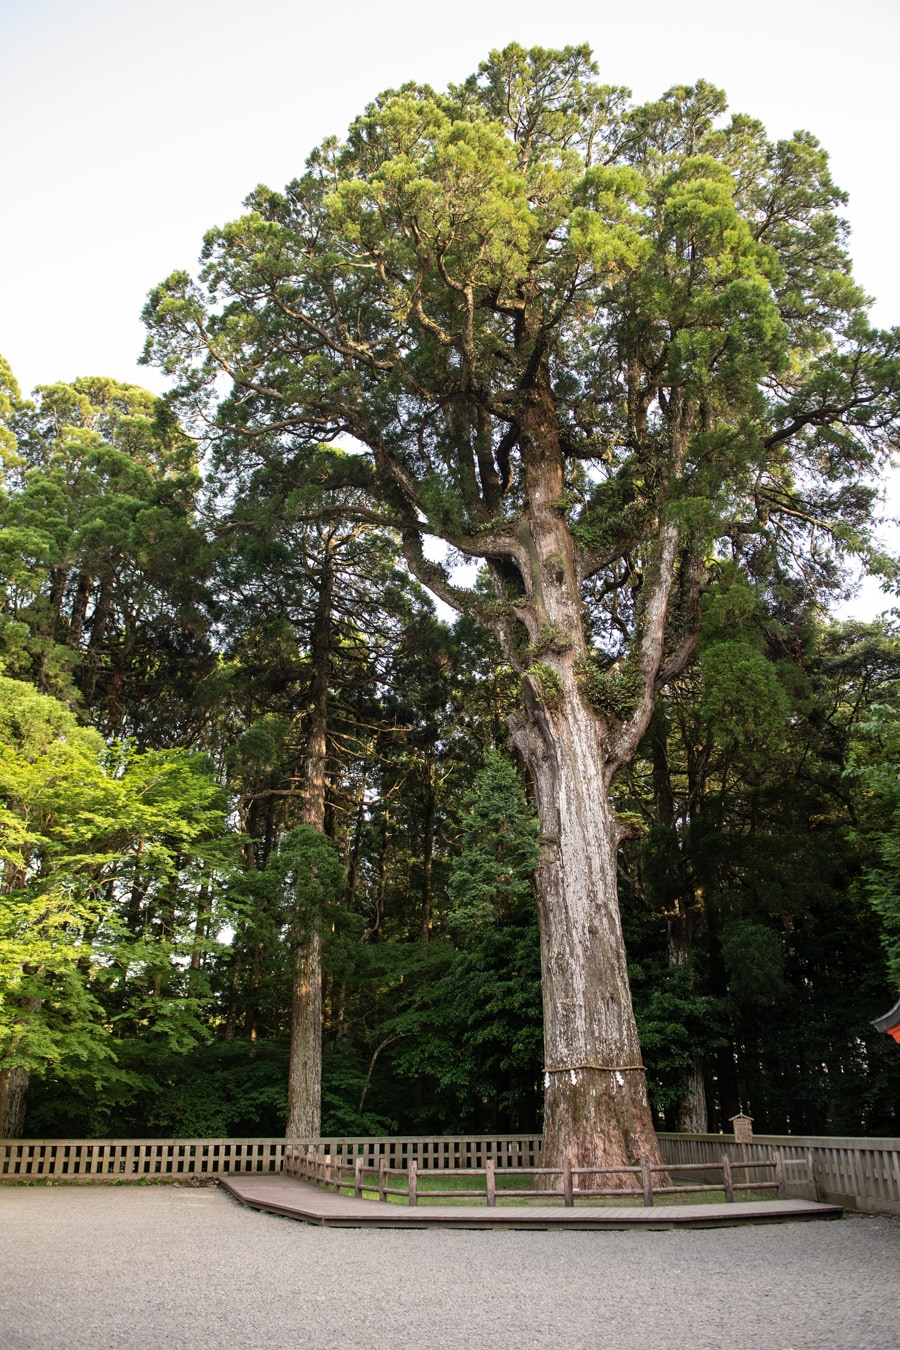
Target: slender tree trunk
x: 355, y: 844
x: 728, y: 1090
x: 305, y: 1067
x: 93, y: 656
x: 690, y: 1112
x: 201, y: 933
x: 79, y: 610
x: 237, y: 960
x: 428, y: 843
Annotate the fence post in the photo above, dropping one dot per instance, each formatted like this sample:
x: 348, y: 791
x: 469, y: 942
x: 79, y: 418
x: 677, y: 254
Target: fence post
x: 490, y: 1185
x: 780, y: 1177
x: 382, y: 1178
x: 727, y: 1179
x: 568, y: 1188
x: 358, y: 1176
x: 412, y: 1181
x: 811, y: 1164
x: 647, y: 1182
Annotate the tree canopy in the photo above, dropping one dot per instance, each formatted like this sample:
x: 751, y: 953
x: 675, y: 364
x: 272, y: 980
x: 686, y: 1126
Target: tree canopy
x: 613, y: 849
x: 617, y: 353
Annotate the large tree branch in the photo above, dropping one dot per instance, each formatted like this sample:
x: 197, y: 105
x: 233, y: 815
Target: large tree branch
x: 648, y: 650
x: 434, y: 576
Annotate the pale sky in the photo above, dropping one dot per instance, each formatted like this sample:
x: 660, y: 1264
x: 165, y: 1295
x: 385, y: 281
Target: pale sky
x: 130, y: 127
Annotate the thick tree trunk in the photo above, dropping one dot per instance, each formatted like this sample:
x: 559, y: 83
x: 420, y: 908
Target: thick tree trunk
x: 596, y: 1110
x: 14, y: 1083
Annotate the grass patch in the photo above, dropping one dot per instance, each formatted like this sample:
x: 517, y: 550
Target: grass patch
x: 435, y: 1188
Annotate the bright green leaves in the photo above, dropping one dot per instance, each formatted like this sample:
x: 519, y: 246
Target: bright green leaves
x: 658, y: 136
x: 84, y: 827
x: 709, y: 285
x: 543, y: 99
x: 9, y: 400
x: 605, y: 232
x: 441, y: 201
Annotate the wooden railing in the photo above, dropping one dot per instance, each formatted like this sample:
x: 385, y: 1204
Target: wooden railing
x: 861, y: 1174
x: 312, y: 1162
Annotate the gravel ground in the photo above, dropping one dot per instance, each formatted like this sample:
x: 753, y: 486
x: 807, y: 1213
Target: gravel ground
x: 165, y: 1268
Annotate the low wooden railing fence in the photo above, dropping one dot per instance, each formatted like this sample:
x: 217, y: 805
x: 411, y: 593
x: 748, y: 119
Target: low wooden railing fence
x: 312, y: 1163
x: 860, y: 1174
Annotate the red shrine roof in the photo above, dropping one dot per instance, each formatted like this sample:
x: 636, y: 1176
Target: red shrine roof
x: 890, y: 1022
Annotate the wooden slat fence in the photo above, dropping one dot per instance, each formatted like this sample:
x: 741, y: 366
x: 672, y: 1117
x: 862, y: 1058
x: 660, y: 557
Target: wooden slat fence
x: 434, y: 1153
x: 859, y: 1174
x: 174, y: 1159
x: 135, y: 1159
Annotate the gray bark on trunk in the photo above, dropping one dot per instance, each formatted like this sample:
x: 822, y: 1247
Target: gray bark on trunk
x: 596, y: 1109
x: 595, y: 1096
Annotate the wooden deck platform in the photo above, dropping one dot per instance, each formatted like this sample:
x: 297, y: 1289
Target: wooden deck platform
x: 298, y: 1200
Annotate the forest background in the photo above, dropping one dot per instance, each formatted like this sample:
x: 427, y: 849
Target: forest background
x: 163, y: 781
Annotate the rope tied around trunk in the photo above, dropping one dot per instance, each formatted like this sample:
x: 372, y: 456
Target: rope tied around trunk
x: 601, y: 1068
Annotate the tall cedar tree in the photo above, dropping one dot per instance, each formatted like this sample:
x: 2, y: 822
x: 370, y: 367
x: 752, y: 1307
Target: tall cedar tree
x: 599, y: 347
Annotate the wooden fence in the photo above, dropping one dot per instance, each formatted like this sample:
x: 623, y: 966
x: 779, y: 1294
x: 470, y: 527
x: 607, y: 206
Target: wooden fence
x: 860, y: 1174
x: 312, y: 1163
x: 434, y: 1153
x: 176, y: 1159
x: 135, y: 1159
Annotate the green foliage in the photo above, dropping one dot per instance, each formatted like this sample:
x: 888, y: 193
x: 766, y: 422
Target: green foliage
x: 611, y: 690
x: 550, y: 638
x: 754, y: 957
x: 876, y: 767
x: 82, y: 824
x: 549, y: 683
x: 743, y: 698
x: 9, y: 400
x: 491, y: 874
x: 745, y: 898
x: 678, y: 1024
x: 101, y: 565
x: 308, y: 873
